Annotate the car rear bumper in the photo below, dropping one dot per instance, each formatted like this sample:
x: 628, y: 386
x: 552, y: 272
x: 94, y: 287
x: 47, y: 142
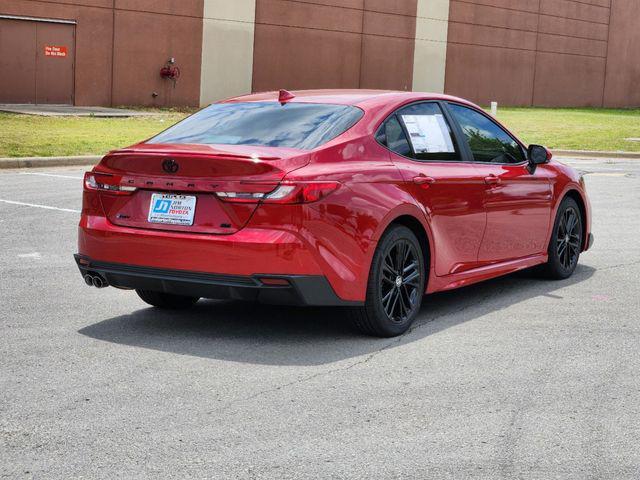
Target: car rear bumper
x: 292, y: 290
x: 247, y: 254
x: 249, y: 251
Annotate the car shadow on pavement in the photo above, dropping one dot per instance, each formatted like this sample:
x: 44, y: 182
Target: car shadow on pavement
x: 277, y: 335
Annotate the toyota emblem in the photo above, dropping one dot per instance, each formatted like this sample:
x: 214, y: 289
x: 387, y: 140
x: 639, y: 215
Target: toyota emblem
x: 170, y: 166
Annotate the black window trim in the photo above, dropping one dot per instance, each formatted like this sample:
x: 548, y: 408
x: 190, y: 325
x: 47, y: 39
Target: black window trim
x: 492, y: 120
x: 465, y: 153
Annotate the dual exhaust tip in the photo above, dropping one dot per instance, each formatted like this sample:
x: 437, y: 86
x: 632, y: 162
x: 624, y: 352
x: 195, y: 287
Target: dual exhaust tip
x: 94, y: 280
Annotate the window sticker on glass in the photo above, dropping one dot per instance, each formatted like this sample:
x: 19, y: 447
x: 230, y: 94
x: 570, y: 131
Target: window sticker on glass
x: 428, y: 133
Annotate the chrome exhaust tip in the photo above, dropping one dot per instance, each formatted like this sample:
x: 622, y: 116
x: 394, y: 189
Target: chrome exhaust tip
x: 95, y: 280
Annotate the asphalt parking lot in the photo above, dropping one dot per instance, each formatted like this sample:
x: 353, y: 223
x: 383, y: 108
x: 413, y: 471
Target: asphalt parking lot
x: 514, y: 378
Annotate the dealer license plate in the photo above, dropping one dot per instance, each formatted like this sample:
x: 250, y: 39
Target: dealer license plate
x: 172, y: 209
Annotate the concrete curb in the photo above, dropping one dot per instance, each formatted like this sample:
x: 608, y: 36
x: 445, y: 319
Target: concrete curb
x: 37, y: 162
x: 594, y: 154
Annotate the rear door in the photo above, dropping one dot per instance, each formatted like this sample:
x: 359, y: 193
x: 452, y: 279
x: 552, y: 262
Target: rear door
x: 518, y: 203
x: 441, y: 179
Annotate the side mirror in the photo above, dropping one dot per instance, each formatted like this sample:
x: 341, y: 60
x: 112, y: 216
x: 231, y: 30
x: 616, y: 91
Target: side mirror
x: 539, y: 154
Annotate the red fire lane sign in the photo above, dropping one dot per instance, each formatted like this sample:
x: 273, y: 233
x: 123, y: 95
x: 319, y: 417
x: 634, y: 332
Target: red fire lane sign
x: 55, y: 51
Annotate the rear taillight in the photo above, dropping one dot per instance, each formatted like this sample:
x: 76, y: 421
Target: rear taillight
x: 241, y: 197
x: 307, y: 192
x: 106, y: 183
x: 285, y: 193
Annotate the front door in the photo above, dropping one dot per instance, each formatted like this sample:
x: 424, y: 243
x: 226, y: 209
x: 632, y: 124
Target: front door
x: 449, y: 189
x: 518, y: 203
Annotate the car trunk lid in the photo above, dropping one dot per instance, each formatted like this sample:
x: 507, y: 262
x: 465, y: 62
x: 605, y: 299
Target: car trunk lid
x: 192, y: 174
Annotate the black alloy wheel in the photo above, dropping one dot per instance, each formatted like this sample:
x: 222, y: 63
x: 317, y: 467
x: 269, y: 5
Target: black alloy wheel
x: 395, y: 287
x: 568, y: 238
x: 566, y: 241
x: 400, y: 281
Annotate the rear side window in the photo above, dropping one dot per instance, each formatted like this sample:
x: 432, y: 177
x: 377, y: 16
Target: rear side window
x: 303, y: 126
x: 429, y: 133
x: 392, y: 136
x: 420, y: 131
x: 488, y: 142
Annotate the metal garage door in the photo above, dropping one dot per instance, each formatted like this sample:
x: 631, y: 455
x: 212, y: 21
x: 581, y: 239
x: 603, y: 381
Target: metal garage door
x: 37, y: 61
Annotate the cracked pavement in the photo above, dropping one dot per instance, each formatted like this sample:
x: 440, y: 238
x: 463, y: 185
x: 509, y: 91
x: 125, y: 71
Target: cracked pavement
x: 514, y: 378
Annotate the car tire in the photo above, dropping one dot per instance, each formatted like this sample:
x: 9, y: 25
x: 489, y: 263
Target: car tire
x: 566, y: 241
x: 166, y: 300
x: 395, y: 286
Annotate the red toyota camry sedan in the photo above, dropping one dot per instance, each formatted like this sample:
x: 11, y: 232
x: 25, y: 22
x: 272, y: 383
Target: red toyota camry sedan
x: 362, y: 199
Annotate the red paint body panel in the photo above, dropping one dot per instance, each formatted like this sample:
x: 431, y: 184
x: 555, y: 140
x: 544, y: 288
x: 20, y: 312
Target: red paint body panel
x: 454, y: 207
x: 474, y: 231
x: 247, y: 252
x: 518, y: 210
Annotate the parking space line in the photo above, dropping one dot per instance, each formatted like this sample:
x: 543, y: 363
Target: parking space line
x: 606, y: 174
x: 50, y: 175
x: 39, y: 206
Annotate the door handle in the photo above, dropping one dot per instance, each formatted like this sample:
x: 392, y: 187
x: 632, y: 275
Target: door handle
x: 424, y: 180
x: 492, y: 180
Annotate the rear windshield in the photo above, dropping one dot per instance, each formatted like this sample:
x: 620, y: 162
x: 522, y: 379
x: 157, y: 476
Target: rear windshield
x: 294, y: 125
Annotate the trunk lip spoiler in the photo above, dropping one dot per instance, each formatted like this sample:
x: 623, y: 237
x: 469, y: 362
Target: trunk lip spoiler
x: 182, y: 153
